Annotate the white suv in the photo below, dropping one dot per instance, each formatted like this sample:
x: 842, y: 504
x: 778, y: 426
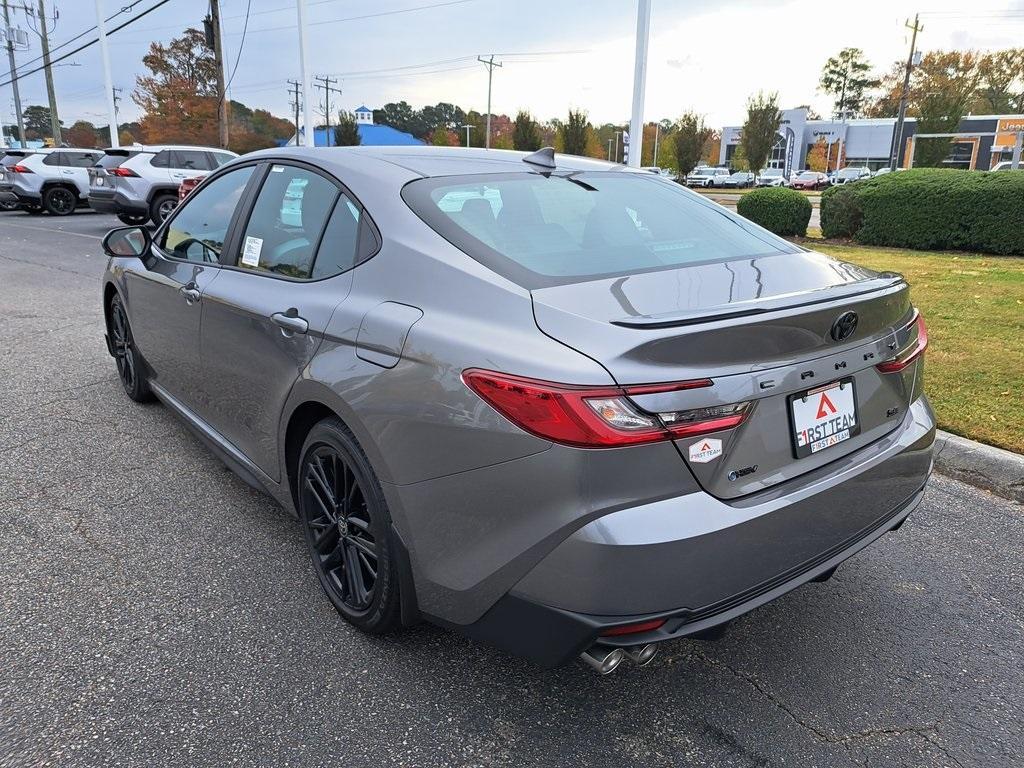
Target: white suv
x: 140, y: 183
x: 51, y: 180
x: 707, y: 177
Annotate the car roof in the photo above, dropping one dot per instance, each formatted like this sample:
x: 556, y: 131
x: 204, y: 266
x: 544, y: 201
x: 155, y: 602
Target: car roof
x: 162, y: 147
x: 429, y: 161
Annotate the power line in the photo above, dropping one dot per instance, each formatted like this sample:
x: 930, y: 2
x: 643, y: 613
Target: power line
x: 241, y: 45
x: 91, y: 43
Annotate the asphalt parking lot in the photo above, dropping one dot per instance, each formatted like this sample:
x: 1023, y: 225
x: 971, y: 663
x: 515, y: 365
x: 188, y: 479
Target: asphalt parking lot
x: 155, y: 610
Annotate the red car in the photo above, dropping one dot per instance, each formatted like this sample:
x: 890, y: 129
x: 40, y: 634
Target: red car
x: 187, y: 186
x: 810, y: 180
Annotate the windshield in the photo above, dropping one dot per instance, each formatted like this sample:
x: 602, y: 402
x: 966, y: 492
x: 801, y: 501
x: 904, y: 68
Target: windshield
x: 808, y: 176
x: 545, y: 230
x: 850, y: 173
x: 771, y: 172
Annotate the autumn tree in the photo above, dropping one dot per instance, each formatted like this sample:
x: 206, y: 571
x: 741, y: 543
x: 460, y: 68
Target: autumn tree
x: 179, y: 95
x: 525, y: 136
x: 1001, y: 89
x: 575, y: 132
x: 712, y: 149
x: 441, y: 137
x: 346, y: 132
x: 82, y: 133
x: 760, y: 129
x: 945, y: 84
x: 738, y: 161
x: 817, y: 156
x: 846, y: 77
x: 689, y: 137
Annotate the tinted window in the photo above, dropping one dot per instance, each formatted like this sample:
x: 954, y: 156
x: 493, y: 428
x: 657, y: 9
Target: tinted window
x: 219, y: 158
x: 109, y: 161
x: 161, y: 159
x: 199, y: 227
x: 80, y: 159
x: 338, y: 247
x: 287, y: 221
x: 541, y: 230
x: 53, y: 158
x: 191, y: 160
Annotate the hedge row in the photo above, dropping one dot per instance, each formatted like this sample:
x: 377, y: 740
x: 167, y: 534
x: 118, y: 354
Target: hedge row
x: 778, y: 209
x: 931, y: 209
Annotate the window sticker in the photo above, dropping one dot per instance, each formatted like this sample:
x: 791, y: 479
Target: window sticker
x: 251, y: 251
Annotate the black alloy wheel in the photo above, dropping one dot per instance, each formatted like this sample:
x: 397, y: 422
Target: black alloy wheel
x: 347, y: 528
x: 129, y: 364
x: 59, y: 201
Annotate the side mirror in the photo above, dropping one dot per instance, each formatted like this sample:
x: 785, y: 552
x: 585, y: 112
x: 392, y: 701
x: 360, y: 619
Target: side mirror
x: 127, y: 242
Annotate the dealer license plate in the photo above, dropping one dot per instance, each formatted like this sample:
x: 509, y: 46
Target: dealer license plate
x: 823, y: 417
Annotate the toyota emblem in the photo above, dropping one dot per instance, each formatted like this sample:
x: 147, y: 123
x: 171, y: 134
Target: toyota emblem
x: 844, y: 326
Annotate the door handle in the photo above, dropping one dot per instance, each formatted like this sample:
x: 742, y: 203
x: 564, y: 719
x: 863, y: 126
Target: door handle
x: 290, y: 323
x: 191, y: 294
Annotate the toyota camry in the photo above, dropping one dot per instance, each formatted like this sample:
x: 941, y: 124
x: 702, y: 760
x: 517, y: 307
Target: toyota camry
x: 561, y: 406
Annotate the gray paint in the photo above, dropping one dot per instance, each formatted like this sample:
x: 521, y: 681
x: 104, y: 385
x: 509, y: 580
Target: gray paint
x: 479, y: 503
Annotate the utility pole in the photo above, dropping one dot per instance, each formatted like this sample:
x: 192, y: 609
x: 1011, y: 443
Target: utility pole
x: 9, y: 34
x: 214, y: 40
x: 328, y: 89
x: 897, y: 136
x: 44, y: 39
x: 307, y: 87
x: 490, y: 63
x: 636, y: 122
x: 294, y: 93
x: 112, y: 92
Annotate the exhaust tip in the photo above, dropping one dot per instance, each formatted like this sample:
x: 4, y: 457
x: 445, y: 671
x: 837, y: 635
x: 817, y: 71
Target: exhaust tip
x: 642, y: 655
x: 602, y: 660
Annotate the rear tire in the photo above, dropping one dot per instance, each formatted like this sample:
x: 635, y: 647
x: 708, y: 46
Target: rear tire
x: 348, y: 529
x: 131, y: 370
x: 162, y: 207
x: 59, y: 201
x: 133, y: 219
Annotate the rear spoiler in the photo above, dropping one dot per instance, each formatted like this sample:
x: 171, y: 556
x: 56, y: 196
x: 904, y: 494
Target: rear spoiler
x: 885, y: 283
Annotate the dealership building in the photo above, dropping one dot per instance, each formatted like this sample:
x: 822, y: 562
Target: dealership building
x: 984, y: 141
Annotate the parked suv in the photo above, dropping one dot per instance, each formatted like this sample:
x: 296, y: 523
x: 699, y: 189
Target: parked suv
x: 140, y: 183
x: 53, y: 180
x: 707, y: 177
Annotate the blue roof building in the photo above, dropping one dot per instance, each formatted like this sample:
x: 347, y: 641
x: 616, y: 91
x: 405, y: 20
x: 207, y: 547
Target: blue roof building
x: 370, y: 135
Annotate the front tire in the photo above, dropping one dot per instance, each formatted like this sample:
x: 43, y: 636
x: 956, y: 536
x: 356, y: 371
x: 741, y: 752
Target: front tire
x: 348, y: 528
x: 130, y: 368
x: 59, y: 201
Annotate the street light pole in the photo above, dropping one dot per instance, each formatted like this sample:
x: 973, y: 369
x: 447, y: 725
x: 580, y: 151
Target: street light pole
x: 468, y: 127
x: 308, y: 139
x: 636, y: 123
x: 101, y: 23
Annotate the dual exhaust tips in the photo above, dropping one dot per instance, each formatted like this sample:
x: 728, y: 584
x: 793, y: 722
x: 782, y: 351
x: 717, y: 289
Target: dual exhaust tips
x: 605, y: 660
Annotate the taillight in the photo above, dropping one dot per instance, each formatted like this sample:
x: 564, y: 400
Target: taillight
x: 910, y: 353
x: 123, y: 173
x: 21, y: 169
x: 596, y: 417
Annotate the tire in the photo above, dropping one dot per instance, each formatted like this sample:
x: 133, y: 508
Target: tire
x: 59, y: 201
x: 130, y: 366
x: 348, y: 529
x: 162, y: 206
x: 133, y: 219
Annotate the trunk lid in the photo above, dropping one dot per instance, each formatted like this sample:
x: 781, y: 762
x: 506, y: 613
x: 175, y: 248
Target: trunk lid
x: 761, y: 329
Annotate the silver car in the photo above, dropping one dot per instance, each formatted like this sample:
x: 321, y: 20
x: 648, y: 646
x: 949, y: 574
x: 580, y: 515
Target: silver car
x: 563, y: 407
x: 51, y: 180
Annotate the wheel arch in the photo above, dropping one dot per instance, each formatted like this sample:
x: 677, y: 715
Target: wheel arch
x: 160, y: 189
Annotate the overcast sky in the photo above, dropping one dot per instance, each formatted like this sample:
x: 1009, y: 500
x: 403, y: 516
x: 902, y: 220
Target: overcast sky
x: 706, y: 55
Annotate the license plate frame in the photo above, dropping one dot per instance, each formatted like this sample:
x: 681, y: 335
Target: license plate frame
x: 804, y: 451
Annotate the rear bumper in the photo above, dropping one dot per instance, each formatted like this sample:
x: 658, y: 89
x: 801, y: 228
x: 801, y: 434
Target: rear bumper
x: 21, y: 194
x: 115, y: 202
x: 698, y: 562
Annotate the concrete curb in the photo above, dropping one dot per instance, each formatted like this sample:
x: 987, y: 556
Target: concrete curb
x: 993, y: 469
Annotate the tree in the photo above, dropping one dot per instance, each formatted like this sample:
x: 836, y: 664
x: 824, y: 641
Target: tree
x: 760, y: 129
x: 37, y: 121
x: 399, y: 116
x: 817, y: 156
x: 575, y: 133
x: 712, y: 149
x: 441, y: 137
x: 689, y: 138
x: 1002, y: 82
x: 944, y: 85
x: 525, y: 136
x: 82, y: 134
x: 179, y: 95
x: 846, y: 78
x: 738, y: 161
x: 346, y: 132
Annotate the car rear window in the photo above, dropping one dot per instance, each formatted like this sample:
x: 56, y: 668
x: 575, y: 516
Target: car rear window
x: 113, y: 160
x: 541, y: 230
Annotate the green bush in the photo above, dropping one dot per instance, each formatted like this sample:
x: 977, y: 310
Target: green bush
x: 841, y: 215
x: 778, y: 209
x: 931, y: 209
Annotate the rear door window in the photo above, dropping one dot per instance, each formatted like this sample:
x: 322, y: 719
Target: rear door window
x: 80, y: 159
x: 161, y: 159
x: 54, y: 158
x: 191, y: 160
x: 287, y: 221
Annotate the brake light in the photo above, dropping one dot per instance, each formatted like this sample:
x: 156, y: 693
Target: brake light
x: 123, y: 172
x: 21, y: 169
x: 633, y: 629
x: 596, y: 417
x: 911, y: 352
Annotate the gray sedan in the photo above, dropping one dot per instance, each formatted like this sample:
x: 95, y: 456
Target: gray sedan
x: 557, y: 405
